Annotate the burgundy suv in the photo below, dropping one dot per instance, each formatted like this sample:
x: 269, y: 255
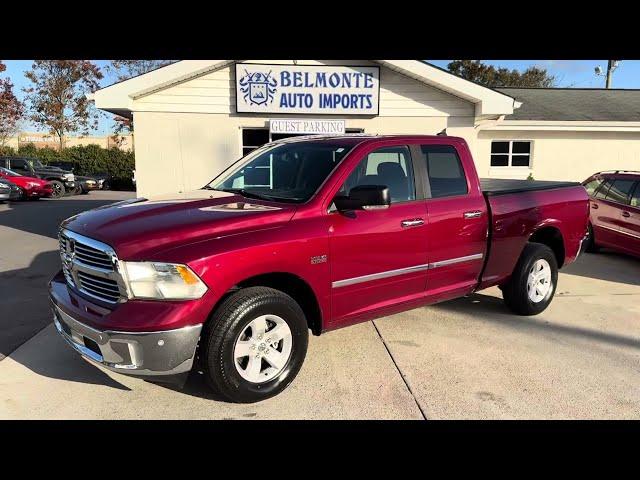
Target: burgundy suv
x: 614, y: 211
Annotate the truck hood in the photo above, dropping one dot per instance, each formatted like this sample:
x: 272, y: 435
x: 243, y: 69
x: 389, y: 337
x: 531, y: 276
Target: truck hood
x: 139, y: 228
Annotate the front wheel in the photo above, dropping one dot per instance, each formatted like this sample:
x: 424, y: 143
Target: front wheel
x: 533, y: 282
x: 254, y: 345
x: 57, y: 189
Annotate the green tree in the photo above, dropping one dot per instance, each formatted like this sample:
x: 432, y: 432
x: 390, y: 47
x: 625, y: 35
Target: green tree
x: 57, y: 96
x: 11, y: 109
x: 492, y: 77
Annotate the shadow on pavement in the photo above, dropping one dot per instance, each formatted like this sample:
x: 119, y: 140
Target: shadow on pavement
x: 606, y: 265
x: 42, y: 217
x: 58, y: 361
x: 25, y: 311
x: 491, y: 309
x: 195, y: 386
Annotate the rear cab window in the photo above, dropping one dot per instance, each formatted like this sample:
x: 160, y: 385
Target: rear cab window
x: 445, y: 173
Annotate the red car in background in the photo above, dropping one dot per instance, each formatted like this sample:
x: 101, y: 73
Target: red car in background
x: 614, y: 219
x: 31, y: 187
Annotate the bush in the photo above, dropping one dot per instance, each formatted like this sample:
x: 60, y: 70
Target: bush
x: 86, y: 160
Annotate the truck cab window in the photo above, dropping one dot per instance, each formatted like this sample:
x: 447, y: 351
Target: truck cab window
x: 390, y: 166
x: 19, y: 165
x: 446, y: 175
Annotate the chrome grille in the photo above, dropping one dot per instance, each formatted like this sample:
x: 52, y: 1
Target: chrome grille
x: 91, y: 267
x: 93, y: 257
x: 99, y: 287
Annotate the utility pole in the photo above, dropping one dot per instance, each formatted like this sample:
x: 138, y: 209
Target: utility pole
x: 611, y: 66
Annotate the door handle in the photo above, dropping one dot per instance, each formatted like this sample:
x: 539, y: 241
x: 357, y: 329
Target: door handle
x: 474, y: 214
x: 594, y: 206
x: 626, y: 214
x: 415, y: 222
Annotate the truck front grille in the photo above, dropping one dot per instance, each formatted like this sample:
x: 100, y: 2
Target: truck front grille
x: 91, y: 267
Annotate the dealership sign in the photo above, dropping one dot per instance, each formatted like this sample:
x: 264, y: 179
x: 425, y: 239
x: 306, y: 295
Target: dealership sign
x: 307, y: 89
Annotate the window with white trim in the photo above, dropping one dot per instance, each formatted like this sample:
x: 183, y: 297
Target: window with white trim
x: 253, y: 138
x: 511, y: 153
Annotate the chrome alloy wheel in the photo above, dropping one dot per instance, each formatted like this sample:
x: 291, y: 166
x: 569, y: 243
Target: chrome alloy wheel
x: 539, y: 284
x: 263, y: 348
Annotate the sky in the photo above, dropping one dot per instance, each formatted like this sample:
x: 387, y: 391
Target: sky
x: 568, y: 73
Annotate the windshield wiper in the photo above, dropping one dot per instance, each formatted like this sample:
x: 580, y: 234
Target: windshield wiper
x: 246, y: 193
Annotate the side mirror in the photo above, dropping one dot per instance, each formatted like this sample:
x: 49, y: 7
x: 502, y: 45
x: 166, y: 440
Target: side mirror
x: 364, y: 197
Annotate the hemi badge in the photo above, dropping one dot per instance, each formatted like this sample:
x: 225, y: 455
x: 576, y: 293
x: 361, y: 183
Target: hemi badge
x: 318, y: 259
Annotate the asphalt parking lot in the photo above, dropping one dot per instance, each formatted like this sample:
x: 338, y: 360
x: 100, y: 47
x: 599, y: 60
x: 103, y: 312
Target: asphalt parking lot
x: 468, y: 358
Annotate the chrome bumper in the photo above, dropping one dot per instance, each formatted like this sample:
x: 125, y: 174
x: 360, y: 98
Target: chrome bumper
x: 167, y: 352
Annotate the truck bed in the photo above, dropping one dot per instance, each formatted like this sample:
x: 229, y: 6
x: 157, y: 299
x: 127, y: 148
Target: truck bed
x: 498, y: 186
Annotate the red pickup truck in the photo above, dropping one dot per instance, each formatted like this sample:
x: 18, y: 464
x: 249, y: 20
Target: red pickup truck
x: 312, y: 233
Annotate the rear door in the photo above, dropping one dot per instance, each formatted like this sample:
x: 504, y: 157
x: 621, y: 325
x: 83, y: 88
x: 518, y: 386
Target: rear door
x: 457, y: 214
x: 631, y: 220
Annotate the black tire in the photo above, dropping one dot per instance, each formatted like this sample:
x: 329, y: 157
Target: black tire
x: 229, y: 321
x: 515, y: 292
x: 77, y: 190
x: 57, y: 189
x: 591, y: 246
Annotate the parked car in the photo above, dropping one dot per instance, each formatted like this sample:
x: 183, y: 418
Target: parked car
x: 32, y: 188
x: 61, y: 181
x: 9, y: 190
x: 85, y: 183
x: 614, y: 219
x: 309, y: 233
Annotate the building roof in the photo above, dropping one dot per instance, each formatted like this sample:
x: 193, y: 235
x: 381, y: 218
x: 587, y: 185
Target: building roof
x: 575, y: 104
x: 119, y: 98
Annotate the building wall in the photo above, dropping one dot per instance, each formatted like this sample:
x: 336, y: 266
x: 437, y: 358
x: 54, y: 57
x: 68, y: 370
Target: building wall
x: 400, y: 96
x: 563, y: 155
x: 183, y: 151
x: 189, y: 133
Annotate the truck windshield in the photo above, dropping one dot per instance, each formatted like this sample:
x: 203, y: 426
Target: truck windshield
x: 290, y: 172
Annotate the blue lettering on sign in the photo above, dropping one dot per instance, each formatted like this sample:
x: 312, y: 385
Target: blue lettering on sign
x: 346, y: 93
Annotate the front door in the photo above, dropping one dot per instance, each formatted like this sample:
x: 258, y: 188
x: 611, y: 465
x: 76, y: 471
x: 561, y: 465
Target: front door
x: 379, y: 257
x: 611, y: 214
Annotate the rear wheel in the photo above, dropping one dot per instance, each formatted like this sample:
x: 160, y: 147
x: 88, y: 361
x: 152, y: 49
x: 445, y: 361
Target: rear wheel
x: 255, y: 344
x: 57, y: 189
x: 533, y: 282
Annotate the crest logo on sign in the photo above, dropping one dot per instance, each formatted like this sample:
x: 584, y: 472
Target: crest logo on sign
x: 258, y: 88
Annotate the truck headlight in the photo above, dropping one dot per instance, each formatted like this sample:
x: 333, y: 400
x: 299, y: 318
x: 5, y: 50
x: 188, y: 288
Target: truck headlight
x: 162, y: 281
x: 69, y: 177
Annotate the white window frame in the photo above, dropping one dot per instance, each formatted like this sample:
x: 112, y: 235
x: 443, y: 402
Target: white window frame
x: 510, y: 154
x: 242, y: 146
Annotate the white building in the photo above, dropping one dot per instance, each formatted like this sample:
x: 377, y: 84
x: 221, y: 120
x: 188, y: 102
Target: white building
x: 195, y: 117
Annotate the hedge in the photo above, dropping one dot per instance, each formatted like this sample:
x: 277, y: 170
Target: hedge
x: 86, y: 160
